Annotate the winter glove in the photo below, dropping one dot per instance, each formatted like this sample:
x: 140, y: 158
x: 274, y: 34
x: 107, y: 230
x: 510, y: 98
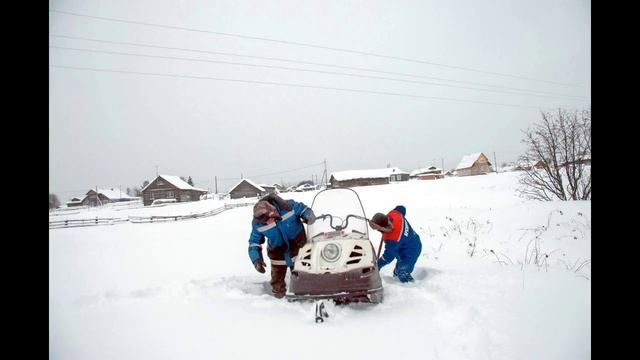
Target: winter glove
x: 260, y: 265
x: 309, y: 219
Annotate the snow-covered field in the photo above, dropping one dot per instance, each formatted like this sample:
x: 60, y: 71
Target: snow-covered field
x: 499, y: 278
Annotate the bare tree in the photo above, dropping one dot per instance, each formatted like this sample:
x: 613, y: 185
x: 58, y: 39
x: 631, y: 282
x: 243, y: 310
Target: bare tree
x: 54, y: 203
x: 560, y: 146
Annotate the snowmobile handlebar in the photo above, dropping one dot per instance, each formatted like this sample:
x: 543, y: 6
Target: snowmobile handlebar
x: 344, y: 224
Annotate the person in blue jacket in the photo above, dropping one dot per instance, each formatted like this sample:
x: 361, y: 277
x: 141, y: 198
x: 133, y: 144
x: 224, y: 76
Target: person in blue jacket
x: 400, y: 242
x: 280, y: 221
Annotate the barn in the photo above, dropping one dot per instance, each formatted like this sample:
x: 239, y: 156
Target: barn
x: 170, y: 187
x: 474, y: 164
x: 351, y: 178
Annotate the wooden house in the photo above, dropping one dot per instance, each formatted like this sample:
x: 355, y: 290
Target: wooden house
x: 74, y: 202
x: 170, y: 187
x: 270, y: 189
x: 351, y: 178
x: 522, y: 166
x: 98, y: 197
x: 246, y: 188
x: 429, y: 173
x: 473, y: 164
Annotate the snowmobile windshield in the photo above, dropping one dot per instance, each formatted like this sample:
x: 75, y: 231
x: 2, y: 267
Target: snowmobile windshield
x: 339, y: 214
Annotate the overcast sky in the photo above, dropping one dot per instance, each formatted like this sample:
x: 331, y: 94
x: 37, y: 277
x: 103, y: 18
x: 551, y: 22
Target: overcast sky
x: 231, y: 88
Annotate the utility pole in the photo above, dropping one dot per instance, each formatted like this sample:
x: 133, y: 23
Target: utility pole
x: 494, y: 161
x: 215, y: 179
x: 156, y: 170
x: 324, y: 174
x: 98, y: 197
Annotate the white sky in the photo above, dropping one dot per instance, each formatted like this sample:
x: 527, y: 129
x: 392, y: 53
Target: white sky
x: 109, y: 129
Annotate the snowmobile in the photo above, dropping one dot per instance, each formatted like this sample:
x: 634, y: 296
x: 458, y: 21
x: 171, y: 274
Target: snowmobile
x: 338, y: 261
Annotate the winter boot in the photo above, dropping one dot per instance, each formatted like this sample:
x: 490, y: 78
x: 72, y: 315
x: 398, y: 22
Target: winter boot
x: 278, y: 284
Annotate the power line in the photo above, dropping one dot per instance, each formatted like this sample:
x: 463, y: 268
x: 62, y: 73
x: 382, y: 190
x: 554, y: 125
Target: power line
x: 291, y: 85
x: 310, y: 63
x: 69, y: 191
x: 311, y: 46
x: 306, y: 70
x: 286, y: 171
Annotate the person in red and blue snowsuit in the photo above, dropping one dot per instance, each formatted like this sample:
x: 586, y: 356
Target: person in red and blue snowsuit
x: 280, y: 221
x: 400, y: 242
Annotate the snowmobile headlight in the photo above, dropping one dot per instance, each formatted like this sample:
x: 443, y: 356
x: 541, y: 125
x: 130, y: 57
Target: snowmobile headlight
x: 331, y: 252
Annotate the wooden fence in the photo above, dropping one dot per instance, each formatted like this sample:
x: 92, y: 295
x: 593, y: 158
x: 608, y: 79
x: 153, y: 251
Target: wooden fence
x: 164, y: 218
x: 85, y: 222
x: 141, y: 219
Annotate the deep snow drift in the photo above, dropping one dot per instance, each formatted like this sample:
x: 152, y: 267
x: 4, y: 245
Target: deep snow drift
x: 499, y: 278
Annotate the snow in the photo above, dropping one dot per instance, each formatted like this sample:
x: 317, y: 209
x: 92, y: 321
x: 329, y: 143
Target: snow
x: 366, y: 174
x: 186, y: 289
x: 468, y: 160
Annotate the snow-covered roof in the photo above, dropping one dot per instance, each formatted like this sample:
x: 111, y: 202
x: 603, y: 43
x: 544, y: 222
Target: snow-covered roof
x: 113, y: 194
x: 250, y: 183
x: 427, y: 170
x: 177, y: 182
x: 366, y: 174
x: 468, y: 160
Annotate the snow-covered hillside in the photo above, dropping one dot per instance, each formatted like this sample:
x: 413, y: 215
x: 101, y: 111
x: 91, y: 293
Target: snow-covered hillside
x: 499, y: 278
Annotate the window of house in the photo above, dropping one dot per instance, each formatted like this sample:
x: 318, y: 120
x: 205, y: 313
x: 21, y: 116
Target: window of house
x: 159, y: 182
x: 170, y: 194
